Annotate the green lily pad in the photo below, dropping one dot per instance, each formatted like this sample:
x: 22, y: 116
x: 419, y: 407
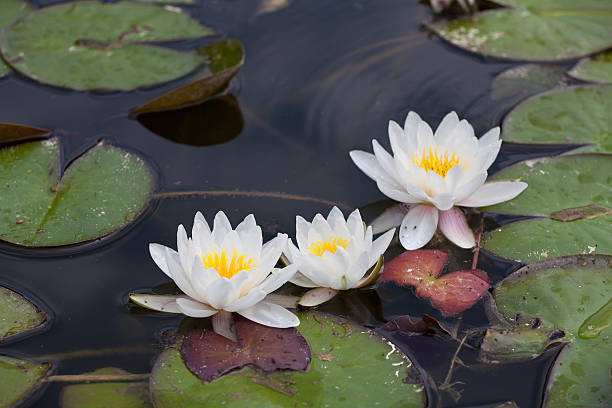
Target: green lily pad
x: 594, y: 69
x: 225, y: 59
x: 526, y: 80
x: 534, y: 30
x: 542, y: 238
x: 20, y: 379
x: 89, y: 45
x: 106, y: 394
x: 575, y: 115
x: 17, y: 315
x: 351, y: 366
x: 100, y: 192
x: 564, y: 293
x: 11, y: 11
x: 558, y: 183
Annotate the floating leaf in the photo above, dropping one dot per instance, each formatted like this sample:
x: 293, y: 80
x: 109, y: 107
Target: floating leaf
x: 11, y: 11
x: 563, y: 293
x: 89, y: 45
x: 542, y: 238
x: 17, y: 315
x: 217, y: 120
x: 515, y: 343
x: 594, y: 69
x: 576, y: 115
x: 10, y: 132
x: 426, y: 326
x: 20, y: 379
x: 558, y: 183
x: 210, y: 355
x: 451, y: 293
x: 100, y: 192
x: 351, y: 366
x: 537, y: 30
x: 107, y: 394
x: 225, y: 58
x: 526, y: 80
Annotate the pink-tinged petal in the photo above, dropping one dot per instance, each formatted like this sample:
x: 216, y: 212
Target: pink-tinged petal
x: 160, y: 303
x: 470, y: 187
x: 491, y: 138
x: 446, y: 127
x: 192, y: 308
x: 390, y: 218
x: 456, y: 291
x: 158, y: 253
x: 250, y: 299
x: 221, y: 227
x: 443, y: 202
x: 454, y: 226
x: 317, y: 296
x: 271, y: 315
x: 415, y: 267
x: 493, y: 193
x: 418, y: 226
x: 369, y: 165
x: 301, y: 280
x: 396, y: 193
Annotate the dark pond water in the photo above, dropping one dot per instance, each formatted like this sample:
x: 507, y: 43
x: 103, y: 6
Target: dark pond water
x: 320, y: 78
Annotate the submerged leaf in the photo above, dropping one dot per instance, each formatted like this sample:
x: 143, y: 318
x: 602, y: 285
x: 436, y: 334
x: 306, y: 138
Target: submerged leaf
x: 20, y: 380
x: 533, y: 30
x: 88, y: 45
x: 209, y: 355
x: 594, y: 69
x: 224, y: 60
x: 576, y: 115
x: 351, y: 366
x: 17, y: 315
x: 10, y: 132
x: 451, y: 293
x: 100, y: 192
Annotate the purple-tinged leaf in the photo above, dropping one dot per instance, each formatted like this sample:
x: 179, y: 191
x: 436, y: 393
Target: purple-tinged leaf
x: 413, y: 267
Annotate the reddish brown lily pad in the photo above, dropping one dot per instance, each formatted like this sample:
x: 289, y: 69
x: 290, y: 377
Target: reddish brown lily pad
x: 451, y: 293
x: 209, y: 355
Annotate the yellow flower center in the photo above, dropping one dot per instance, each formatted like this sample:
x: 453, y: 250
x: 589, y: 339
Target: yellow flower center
x: 219, y: 263
x: 438, y: 163
x: 320, y: 247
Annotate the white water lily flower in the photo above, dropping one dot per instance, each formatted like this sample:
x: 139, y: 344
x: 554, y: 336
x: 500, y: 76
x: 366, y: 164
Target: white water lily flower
x: 432, y: 174
x: 334, y: 254
x: 223, y: 270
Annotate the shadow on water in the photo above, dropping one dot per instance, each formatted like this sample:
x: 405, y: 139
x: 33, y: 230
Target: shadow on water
x: 319, y: 80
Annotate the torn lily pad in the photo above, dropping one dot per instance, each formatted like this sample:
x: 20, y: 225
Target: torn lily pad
x: 18, y: 316
x: 577, y: 115
x: 209, y: 355
x: 89, y: 45
x: 533, y: 30
x: 100, y: 192
x: 572, y: 192
x: 106, y: 394
x: 20, y: 380
x: 351, y: 366
x: 224, y: 59
x: 11, y: 11
x: 451, y: 293
x: 597, y: 68
x: 564, y: 296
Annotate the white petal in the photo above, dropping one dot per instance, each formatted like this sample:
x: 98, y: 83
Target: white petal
x: 161, y: 303
x: 223, y: 324
x: 384, y: 159
x: 158, y: 253
x: 334, y: 216
x: 277, y: 278
x: 446, y: 127
x: 469, y: 187
x: 221, y: 293
x: 319, y: 223
x: 317, y: 296
x: 390, y: 218
x: 424, y: 136
x: 221, y: 227
x: 489, y: 138
x: 271, y: 252
x: 250, y: 299
x: 178, y: 274
x: 380, y: 246
x: 301, y: 280
x: 192, y: 308
x: 354, y: 223
x: 368, y: 164
x: 454, y: 178
x: 320, y: 277
x: 270, y: 314
x: 184, y: 248
x: 401, y: 146
x: 355, y: 273
x: 418, y: 226
x: 443, y: 201
x: 411, y: 125
x: 301, y: 232
x: 250, y: 235
x: 454, y: 226
x: 396, y: 193
x: 494, y: 193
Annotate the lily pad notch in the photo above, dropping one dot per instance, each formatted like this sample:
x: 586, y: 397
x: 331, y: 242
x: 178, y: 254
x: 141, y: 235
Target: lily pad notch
x: 102, y: 191
x: 21, y: 316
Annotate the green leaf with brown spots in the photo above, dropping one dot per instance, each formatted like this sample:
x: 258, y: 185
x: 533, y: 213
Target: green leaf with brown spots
x: 20, y: 380
x: 17, y: 315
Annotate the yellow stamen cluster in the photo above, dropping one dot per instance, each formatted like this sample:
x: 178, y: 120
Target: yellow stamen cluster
x: 219, y: 263
x: 320, y: 247
x: 440, y: 164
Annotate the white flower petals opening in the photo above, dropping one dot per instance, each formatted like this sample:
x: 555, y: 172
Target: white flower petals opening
x: 433, y: 172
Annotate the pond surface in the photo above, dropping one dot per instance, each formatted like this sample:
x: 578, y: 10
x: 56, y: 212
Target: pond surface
x: 320, y: 79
